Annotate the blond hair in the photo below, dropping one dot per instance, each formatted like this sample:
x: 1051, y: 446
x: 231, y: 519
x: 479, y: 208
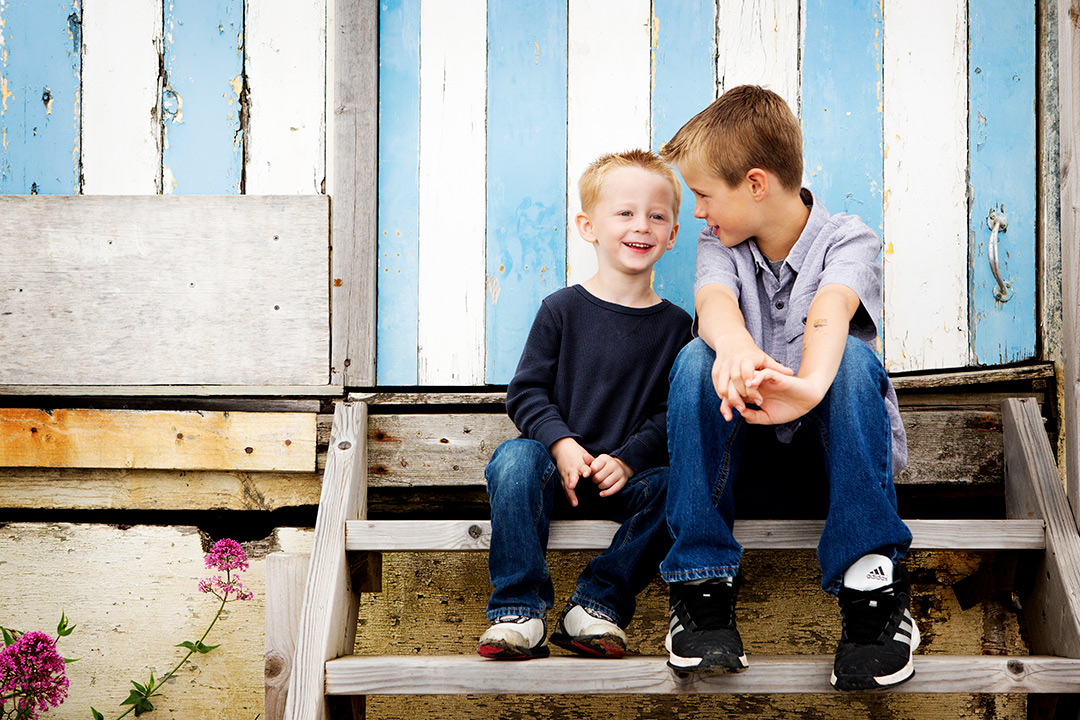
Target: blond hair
x: 591, y: 183
x: 746, y: 127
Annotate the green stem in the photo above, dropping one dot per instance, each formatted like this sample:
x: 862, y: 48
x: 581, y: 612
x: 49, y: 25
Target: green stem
x: 159, y: 683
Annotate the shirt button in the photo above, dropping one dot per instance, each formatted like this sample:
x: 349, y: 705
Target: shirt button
x: 779, y: 304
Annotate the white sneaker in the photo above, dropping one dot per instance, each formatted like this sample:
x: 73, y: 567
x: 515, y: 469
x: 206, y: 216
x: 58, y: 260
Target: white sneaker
x: 515, y: 637
x: 589, y: 632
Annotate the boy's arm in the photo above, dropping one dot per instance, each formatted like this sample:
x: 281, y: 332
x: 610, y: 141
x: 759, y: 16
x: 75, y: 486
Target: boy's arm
x: 785, y: 398
x: 722, y: 327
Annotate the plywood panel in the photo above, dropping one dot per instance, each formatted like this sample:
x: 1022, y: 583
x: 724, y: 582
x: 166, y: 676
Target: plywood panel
x: 121, y: 97
x: 285, y: 61
x: 1001, y: 146
x: 203, y: 143
x: 758, y: 43
x: 683, y: 38
x: 207, y: 290
x: 40, y: 70
x: 191, y: 440
x: 399, y: 185
x: 526, y: 211
x: 453, y: 61
x: 609, y: 79
x: 925, y: 102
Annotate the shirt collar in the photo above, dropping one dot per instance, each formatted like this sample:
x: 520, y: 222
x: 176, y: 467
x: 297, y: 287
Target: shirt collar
x: 818, y: 217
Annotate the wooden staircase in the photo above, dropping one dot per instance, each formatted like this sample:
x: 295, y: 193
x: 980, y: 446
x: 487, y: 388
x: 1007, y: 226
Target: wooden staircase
x: 346, y: 560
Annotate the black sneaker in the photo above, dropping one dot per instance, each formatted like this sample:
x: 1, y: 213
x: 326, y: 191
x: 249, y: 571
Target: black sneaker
x: 879, y: 637
x: 702, y: 635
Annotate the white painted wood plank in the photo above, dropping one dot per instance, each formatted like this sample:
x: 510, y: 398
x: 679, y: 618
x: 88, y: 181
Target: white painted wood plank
x: 608, y: 86
x: 925, y: 147
x: 758, y: 43
x: 121, y: 97
x: 285, y: 59
x: 286, y: 577
x: 425, y: 535
x: 191, y: 290
x: 460, y: 674
x: 453, y: 101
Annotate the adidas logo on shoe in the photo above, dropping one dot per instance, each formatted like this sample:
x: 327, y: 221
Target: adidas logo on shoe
x: 878, y: 575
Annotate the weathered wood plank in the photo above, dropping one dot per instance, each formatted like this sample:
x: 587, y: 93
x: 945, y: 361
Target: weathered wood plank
x: 286, y: 577
x: 1033, y: 490
x: 450, y: 306
x: 284, y: 60
x: 758, y: 43
x: 328, y: 619
x: 966, y: 378
x: 121, y: 130
x: 183, y: 440
x: 431, y: 535
x: 526, y: 211
x: 925, y: 101
x: 607, y: 109
x: 452, y: 675
x: 174, y: 391
x: 40, y: 119
x: 353, y: 187
x: 169, y: 290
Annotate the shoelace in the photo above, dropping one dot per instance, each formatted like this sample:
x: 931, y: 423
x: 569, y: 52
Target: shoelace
x: 711, y: 605
x: 863, y: 621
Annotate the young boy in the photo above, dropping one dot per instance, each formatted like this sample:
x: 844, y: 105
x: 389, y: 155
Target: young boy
x: 787, y: 298
x: 589, y: 397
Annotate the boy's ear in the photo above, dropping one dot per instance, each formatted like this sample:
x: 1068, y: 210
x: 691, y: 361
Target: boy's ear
x: 674, y: 233
x: 758, y: 182
x: 584, y: 227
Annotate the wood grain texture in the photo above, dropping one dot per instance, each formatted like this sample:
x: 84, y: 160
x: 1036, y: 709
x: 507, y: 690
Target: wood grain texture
x: 1033, y: 490
x: 758, y: 43
x: 286, y: 577
x: 425, y: 535
x: 121, y: 97
x: 398, y: 675
x: 608, y: 106
x: 173, y: 391
x: 164, y: 290
x: 328, y: 619
x: 1069, y: 127
x: 453, y: 59
x: 285, y: 63
x: 925, y: 106
x: 190, y: 440
x: 353, y: 186
x: 40, y: 82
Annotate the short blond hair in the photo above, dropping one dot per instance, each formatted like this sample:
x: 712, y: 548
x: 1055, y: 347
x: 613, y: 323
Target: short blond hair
x: 746, y: 127
x: 591, y: 183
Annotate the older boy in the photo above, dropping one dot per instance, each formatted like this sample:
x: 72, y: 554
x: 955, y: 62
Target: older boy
x: 787, y: 298
x: 589, y: 397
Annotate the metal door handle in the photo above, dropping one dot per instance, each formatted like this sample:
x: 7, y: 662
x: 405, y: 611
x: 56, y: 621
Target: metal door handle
x: 997, y: 220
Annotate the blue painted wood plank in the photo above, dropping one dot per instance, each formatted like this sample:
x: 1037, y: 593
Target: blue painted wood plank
x: 40, y: 69
x: 399, y: 188
x: 526, y: 172
x: 841, y: 106
x: 1001, y: 146
x: 684, y: 82
x: 203, y: 149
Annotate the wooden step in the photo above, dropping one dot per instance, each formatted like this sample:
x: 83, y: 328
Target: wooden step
x: 434, y: 535
x: 461, y: 674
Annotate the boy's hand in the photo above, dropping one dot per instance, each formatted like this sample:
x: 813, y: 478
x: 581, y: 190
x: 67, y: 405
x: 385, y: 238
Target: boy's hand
x: 732, y: 373
x: 783, y: 398
x: 573, y: 463
x: 610, y: 474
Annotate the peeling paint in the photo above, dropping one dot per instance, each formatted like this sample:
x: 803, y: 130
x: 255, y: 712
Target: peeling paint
x: 47, y: 100
x: 4, y: 94
x: 493, y: 289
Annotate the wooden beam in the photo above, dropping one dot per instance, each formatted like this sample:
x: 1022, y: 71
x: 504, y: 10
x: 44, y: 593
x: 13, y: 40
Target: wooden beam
x: 286, y: 577
x: 328, y: 620
x: 432, y: 535
x: 190, y: 440
x: 967, y: 378
x: 174, y: 391
x: 1033, y: 489
x: 354, y: 88
x: 1069, y: 128
x: 460, y: 674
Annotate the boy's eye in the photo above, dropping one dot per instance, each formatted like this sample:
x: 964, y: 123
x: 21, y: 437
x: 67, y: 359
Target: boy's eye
x: 625, y: 213
x: 659, y: 217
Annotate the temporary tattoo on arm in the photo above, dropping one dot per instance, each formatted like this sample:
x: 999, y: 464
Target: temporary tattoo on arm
x: 821, y: 323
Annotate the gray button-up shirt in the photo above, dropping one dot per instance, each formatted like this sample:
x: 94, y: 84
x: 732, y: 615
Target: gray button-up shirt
x: 831, y: 249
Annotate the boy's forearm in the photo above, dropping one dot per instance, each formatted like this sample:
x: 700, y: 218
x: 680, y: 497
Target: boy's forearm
x: 826, y: 334
x: 720, y: 322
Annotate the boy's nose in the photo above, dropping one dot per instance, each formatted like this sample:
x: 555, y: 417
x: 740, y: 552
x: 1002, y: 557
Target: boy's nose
x: 699, y: 212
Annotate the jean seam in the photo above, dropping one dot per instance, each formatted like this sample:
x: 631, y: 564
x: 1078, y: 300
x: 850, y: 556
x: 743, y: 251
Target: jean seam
x: 725, y: 467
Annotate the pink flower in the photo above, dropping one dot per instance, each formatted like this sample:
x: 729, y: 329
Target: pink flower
x: 32, y: 674
x: 228, y: 589
x: 227, y: 555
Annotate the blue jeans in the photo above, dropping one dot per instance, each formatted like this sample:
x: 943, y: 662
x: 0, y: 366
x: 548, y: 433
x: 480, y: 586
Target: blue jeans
x: 851, y: 427
x: 524, y: 488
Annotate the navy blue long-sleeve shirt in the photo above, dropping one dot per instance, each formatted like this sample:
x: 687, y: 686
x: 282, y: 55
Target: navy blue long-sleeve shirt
x: 598, y: 372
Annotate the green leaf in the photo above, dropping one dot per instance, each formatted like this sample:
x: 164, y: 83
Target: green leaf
x: 62, y: 629
x: 97, y: 715
x: 144, y: 706
x: 205, y: 648
x: 68, y: 661
x: 135, y: 697
x: 8, y: 639
x: 189, y: 645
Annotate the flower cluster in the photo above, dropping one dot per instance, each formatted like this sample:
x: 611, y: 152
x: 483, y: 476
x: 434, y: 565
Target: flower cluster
x: 226, y: 556
x: 32, y: 676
